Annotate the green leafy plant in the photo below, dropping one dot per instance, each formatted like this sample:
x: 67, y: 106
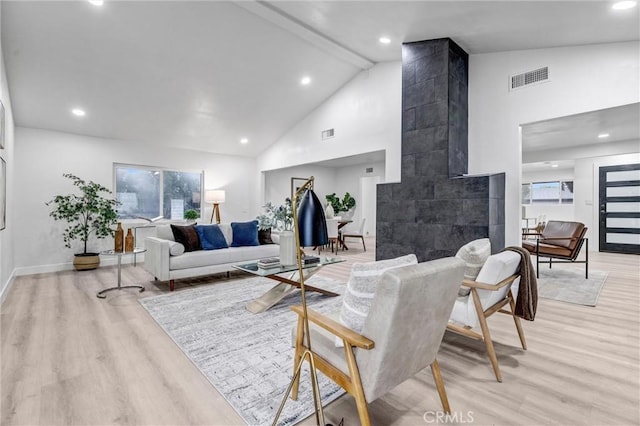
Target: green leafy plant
x: 191, y: 214
x: 276, y: 217
x: 87, y: 213
x: 338, y: 205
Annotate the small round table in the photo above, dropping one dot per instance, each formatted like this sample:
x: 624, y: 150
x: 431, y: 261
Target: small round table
x: 135, y: 251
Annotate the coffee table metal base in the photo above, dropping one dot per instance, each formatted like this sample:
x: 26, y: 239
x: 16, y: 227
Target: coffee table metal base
x: 101, y: 294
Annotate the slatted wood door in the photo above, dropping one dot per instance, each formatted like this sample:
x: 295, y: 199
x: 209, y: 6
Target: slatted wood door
x: 620, y: 209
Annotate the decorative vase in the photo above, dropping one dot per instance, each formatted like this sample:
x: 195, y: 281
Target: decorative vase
x: 128, y: 241
x: 288, y: 248
x: 328, y: 212
x: 348, y: 215
x: 119, y: 238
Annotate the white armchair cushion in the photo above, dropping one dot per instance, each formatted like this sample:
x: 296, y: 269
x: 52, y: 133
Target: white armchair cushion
x: 497, y: 267
x: 474, y: 255
x: 361, y: 288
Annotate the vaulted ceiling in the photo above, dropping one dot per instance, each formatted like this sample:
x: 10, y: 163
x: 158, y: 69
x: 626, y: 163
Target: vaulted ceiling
x: 203, y: 75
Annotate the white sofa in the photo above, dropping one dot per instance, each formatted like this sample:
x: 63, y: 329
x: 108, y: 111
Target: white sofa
x: 166, y: 260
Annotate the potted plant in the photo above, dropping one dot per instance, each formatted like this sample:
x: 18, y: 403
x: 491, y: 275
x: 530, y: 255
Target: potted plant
x: 86, y: 213
x: 191, y: 215
x: 278, y: 218
x: 347, y: 204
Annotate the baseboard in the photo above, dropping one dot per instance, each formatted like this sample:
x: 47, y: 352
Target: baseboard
x: 58, y: 267
x: 7, y: 287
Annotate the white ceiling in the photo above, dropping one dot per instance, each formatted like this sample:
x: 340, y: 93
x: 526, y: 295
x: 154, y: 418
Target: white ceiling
x: 201, y: 75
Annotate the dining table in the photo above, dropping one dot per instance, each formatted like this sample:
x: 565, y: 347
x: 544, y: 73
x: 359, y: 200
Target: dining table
x: 341, y: 224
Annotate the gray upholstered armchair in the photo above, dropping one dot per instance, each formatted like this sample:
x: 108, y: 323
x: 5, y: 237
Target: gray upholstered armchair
x: 402, y: 333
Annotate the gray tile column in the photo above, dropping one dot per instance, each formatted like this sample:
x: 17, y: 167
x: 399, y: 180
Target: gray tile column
x: 435, y: 209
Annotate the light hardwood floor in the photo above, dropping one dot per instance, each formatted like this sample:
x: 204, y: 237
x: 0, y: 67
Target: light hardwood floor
x: 71, y: 358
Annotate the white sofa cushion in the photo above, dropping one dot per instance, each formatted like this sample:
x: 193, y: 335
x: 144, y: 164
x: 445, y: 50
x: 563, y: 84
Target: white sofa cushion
x: 164, y: 232
x: 200, y: 258
x: 175, y: 248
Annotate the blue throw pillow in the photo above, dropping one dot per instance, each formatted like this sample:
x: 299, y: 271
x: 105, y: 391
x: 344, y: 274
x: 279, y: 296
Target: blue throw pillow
x: 211, y: 237
x: 245, y: 233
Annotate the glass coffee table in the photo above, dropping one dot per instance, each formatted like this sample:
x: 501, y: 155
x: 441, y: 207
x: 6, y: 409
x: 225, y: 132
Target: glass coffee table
x: 286, y: 284
x: 137, y: 250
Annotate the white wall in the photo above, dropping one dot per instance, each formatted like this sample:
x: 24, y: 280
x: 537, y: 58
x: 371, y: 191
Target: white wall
x: 582, y: 78
x: 278, y: 182
x: 587, y: 187
x: 7, y: 235
x: 366, y: 116
x: 43, y: 156
x: 327, y: 180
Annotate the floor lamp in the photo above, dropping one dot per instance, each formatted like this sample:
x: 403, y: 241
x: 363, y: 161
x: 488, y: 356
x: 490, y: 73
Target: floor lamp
x: 310, y: 228
x: 215, y: 197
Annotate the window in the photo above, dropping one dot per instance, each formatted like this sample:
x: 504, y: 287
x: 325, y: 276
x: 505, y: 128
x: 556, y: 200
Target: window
x: 150, y: 192
x: 553, y: 192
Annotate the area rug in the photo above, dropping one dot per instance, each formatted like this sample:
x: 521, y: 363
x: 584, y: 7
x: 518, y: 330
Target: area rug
x: 569, y: 285
x: 247, y: 357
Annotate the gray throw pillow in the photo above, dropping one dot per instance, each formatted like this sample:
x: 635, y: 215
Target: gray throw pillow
x: 474, y: 255
x: 362, y: 287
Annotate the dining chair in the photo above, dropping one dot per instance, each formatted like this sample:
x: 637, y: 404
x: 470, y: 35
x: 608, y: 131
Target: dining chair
x: 332, y: 233
x: 359, y: 234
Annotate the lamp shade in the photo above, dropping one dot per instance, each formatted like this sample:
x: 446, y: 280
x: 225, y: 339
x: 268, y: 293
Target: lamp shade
x: 214, y: 196
x: 312, y: 225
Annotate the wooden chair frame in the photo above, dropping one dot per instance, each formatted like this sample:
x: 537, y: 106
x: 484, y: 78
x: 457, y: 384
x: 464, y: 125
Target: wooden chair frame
x: 484, y: 314
x: 351, y: 382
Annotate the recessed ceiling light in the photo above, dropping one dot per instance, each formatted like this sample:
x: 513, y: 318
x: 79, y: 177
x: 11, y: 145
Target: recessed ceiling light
x: 305, y: 80
x: 78, y: 112
x: 384, y: 40
x: 624, y: 5
x: 554, y: 165
x: 96, y: 2
x: 603, y: 135
x: 244, y: 140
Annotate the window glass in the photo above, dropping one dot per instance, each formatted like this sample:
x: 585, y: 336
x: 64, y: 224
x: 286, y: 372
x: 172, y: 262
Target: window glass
x: 545, y: 192
x: 150, y: 192
x: 181, y: 193
x: 138, y: 191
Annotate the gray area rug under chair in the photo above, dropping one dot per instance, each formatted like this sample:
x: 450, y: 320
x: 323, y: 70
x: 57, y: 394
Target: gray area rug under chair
x: 247, y: 357
x: 568, y: 284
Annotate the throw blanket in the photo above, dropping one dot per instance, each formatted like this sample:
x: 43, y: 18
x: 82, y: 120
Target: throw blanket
x: 527, y: 298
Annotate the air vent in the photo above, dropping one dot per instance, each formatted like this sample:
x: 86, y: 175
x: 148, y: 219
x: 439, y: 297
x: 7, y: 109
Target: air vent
x: 369, y: 170
x: 327, y: 134
x: 527, y: 78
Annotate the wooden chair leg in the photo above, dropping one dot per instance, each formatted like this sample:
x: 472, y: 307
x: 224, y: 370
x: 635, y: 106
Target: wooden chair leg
x: 363, y: 246
x: 512, y: 304
x: 358, y: 391
x: 437, y: 377
x: 486, y: 335
x: 171, y: 285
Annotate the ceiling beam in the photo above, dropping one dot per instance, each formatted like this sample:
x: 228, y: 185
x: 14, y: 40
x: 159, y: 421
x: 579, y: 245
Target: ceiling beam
x: 277, y: 17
